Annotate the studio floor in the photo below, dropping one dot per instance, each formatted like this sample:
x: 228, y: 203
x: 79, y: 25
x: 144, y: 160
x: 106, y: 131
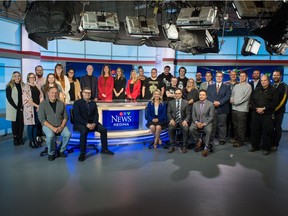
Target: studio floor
x: 138, y: 181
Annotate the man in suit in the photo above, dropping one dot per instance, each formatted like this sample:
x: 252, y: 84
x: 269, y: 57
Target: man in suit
x: 53, y: 116
x: 202, y: 117
x: 209, y: 81
x: 90, y: 81
x: 219, y: 94
x: 86, y: 120
x: 178, y: 114
x: 256, y: 80
x: 255, y: 83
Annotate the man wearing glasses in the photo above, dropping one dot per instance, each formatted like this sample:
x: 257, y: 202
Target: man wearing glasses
x: 86, y: 119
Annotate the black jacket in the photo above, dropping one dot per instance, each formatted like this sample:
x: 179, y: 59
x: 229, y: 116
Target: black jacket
x: 267, y: 98
x: 81, y: 115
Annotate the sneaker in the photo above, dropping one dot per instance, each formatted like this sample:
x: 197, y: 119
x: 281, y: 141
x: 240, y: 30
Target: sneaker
x: 51, y: 157
x: 232, y: 140
x: 106, y: 151
x: 274, y: 148
x: 265, y: 152
x: 82, y: 157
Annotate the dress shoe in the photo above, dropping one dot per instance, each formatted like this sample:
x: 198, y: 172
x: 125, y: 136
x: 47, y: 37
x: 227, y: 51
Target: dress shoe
x: 237, y: 144
x: 265, y: 152
x: 222, y: 142
x: 106, y: 151
x: 171, y: 149
x: 184, y: 149
x: 205, y: 152
x: 51, y: 157
x: 82, y: 157
x: 253, y: 149
x: 63, y: 154
x: 232, y: 140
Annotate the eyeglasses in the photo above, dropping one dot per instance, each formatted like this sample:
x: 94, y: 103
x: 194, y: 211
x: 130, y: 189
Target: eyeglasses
x: 87, y: 92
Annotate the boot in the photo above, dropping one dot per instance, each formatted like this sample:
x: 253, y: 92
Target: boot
x: 20, y: 139
x: 15, y: 140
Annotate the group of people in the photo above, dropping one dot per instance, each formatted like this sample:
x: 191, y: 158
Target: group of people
x: 209, y: 109
x: 202, y: 110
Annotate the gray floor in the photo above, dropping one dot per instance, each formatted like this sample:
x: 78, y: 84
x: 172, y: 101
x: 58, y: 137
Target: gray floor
x: 138, y: 181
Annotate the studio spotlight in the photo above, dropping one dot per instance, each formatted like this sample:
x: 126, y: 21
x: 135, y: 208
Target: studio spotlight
x: 250, y: 47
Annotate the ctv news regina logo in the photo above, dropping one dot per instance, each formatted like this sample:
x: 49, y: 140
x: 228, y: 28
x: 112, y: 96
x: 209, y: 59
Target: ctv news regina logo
x: 121, y: 119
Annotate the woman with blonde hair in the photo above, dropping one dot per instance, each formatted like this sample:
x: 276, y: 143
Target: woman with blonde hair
x: 32, y: 97
x: 105, y: 84
x: 190, y: 93
x: 64, y: 83
x: 119, y: 85
x: 133, y: 86
x: 156, y: 115
x: 14, y: 106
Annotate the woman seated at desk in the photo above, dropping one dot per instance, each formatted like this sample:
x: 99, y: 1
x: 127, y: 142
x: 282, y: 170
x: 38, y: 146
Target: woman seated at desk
x: 156, y: 116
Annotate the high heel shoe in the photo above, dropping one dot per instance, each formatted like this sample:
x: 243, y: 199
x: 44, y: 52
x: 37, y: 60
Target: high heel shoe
x: 155, y: 146
x: 160, y: 142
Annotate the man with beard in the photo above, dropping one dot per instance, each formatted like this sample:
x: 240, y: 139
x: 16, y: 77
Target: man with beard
x: 282, y: 91
x: 40, y: 79
x: 198, y: 77
x: 151, y: 84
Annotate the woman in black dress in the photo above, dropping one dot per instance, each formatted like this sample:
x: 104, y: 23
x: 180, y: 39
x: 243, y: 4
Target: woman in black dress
x: 119, y: 85
x: 190, y: 93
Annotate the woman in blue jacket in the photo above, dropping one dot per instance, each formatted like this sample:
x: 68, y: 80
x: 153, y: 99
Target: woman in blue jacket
x: 156, y: 116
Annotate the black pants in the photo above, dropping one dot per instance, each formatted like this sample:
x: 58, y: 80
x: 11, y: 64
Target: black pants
x: 278, y: 118
x: 18, y: 125
x: 84, y: 133
x: 262, y: 129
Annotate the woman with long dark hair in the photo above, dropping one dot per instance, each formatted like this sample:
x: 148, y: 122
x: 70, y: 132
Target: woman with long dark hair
x: 50, y: 82
x: 75, y: 89
x: 63, y: 81
x: 105, y: 84
x: 119, y: 85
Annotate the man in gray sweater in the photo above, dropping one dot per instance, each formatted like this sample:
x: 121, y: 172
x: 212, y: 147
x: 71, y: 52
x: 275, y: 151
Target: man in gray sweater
x: 240, y: 106
x: 53, y: 116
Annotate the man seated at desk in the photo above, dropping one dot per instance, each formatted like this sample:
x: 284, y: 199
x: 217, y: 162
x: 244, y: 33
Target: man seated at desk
x: 53, y: 116
x: 86, y: 120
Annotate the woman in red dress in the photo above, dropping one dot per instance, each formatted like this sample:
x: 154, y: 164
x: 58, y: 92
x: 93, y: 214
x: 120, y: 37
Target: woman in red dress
x: 105, y: 84
x: 133, y: 86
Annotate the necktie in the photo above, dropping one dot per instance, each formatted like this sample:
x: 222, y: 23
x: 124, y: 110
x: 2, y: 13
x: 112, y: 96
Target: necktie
x: 88, y: 108
x: 178, y: 112
x: 217, y: 88
x: 201, y: 111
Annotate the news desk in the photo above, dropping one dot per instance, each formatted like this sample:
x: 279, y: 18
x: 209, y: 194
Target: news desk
x: 124, y: 121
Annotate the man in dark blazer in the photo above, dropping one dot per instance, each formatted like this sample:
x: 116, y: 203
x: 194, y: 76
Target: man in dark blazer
x: 202, y: 117
x: 90, y: 81
x: 86, y: 120
x: 182, y: 119
x: 219, y: 94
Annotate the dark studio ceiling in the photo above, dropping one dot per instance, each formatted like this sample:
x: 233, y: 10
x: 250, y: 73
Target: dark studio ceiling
x: 41, y: 27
